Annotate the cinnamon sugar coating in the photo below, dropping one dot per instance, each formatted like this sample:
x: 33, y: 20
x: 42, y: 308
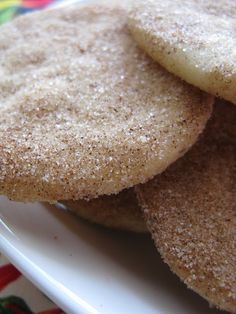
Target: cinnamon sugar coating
x: 84, y: 111
x: 194, y: 39
x: 190, y: 210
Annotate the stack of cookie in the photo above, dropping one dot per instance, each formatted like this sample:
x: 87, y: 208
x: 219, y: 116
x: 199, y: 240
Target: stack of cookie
x: 96, y: 99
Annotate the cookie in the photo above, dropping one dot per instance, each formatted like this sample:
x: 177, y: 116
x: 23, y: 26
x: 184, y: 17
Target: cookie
x: 84, y: 112
x: 194, y: 39
x: 119, y: 211
x: 190, y: 211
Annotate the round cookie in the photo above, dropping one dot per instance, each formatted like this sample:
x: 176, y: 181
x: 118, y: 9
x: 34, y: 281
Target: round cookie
x: 190, y: 210
x: 194, y: 39
x: 119, y: 211
x: 84, y: 112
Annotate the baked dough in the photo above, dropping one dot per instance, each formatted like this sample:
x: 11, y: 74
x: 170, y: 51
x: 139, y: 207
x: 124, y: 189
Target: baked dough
x: 194, y: 39
x: 190, y: 210
x: 119, y: 211
x: 84, y: 112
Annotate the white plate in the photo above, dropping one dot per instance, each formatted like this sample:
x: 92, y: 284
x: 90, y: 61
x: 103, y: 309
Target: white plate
x: 87, y: 269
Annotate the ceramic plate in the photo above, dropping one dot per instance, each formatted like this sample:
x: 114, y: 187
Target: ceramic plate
x: 87, y: 269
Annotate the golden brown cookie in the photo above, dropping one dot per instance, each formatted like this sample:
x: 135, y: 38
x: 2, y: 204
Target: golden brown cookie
x: 119, y: 211
x: 84, y: 112
x: 190, y: 211
x: 194, y: 39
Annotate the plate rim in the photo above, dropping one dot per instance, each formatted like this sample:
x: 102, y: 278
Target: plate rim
x: 66, y: 300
